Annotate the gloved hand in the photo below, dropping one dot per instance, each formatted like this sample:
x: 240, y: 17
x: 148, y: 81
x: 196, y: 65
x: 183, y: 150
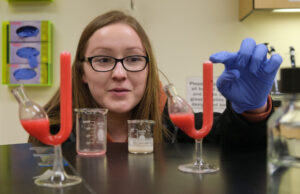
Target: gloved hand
x: 248, y: 76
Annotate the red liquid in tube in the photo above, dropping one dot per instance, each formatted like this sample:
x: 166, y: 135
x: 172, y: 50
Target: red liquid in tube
x: 186, y: 121
x: 40, y: 128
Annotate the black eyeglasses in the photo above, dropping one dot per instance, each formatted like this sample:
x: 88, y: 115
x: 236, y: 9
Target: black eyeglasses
x: 102, y: 63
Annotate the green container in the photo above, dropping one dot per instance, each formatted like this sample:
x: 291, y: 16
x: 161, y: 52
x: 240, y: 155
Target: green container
x: 45, y: 67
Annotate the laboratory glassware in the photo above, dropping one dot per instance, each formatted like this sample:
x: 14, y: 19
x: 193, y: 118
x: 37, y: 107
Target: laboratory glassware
x: 35, y: 121
x: 182, y: 115
x: 140, y: 136
x: 284, y: 124
x: 91, y: 130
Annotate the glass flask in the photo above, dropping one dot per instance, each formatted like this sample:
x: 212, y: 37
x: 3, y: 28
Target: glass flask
x: 180, y: 112
x: 35, y: 121
x: 32, y: 116
x: 284, y: 124
x: 182, y: 115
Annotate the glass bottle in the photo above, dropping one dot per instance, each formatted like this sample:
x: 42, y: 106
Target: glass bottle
x: 284, y: 124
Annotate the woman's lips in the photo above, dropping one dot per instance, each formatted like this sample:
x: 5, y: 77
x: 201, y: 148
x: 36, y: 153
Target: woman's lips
x: 119, y: 91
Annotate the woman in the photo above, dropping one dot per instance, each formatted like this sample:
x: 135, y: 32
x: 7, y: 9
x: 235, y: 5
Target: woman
x: 127, y: 95
x: 115, y: 68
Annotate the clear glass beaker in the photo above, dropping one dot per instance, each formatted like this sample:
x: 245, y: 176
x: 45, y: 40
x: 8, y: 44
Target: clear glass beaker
x: 140, y: 136
x: 91, y: 130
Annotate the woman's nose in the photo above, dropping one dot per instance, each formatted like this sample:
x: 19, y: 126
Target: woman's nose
x: 119, y: 72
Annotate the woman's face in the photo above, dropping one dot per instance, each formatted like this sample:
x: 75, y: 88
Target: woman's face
x: 118, y: 90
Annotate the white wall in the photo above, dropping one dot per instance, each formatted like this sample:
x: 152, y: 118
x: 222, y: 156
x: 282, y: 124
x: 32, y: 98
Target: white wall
x: 183, y: 34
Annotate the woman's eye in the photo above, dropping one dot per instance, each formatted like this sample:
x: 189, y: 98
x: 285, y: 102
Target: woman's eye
x: 103, y: 60
x: 134, y: 59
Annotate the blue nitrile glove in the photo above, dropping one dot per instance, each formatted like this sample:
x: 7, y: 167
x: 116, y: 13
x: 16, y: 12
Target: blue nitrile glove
x: 248, y: 76
x: 30, y: 54
x: 27, y: 31
x: 24, y: 74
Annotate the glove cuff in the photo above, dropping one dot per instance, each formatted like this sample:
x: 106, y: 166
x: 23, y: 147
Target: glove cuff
x: 246, y: 107
x: 257, y: 117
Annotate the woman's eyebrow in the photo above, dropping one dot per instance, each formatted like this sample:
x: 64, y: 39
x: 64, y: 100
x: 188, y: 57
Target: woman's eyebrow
x: 136, y: 49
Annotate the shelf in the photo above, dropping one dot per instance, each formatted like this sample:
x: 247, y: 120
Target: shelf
x: 246, y: 7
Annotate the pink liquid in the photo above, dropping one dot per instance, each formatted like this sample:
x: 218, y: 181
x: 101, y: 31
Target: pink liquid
x: 186, y: 123
x: 183, y: 121
x: 36, y: 127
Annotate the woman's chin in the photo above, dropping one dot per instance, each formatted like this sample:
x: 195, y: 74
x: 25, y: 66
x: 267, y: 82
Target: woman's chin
x: 119, y: 110
x: 119, y: 107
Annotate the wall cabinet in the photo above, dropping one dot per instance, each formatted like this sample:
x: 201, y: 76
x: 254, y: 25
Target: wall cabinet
x: 246, y: 7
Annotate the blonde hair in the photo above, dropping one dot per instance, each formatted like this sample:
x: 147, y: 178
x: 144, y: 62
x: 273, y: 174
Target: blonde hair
x: 148, y: 107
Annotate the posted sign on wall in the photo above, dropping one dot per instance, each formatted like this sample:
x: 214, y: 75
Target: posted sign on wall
x: 195, y: 96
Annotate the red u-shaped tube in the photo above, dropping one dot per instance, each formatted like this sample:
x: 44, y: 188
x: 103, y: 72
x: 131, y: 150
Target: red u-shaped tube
x: 186, y: 121
x: 65, y: 101
x: 207, y: 120
x: 43, y: 134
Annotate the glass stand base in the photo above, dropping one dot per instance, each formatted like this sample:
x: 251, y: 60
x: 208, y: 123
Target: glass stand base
x: 56, y: 179
x: 198, y: 168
